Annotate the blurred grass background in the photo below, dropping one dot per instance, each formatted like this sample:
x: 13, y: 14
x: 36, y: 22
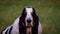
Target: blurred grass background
x: 48, y: 12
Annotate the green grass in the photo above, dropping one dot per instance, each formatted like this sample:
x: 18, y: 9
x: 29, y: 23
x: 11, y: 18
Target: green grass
x: 48, y: 12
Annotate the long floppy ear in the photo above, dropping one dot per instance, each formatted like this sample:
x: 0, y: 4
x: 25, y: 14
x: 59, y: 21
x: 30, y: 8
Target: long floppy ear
x: 36, y: 21
x: 35, y: 18
x: 23, y: 15
x: 22, y: 20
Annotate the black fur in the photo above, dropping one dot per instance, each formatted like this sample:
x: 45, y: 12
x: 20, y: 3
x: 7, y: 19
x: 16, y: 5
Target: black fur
x: 6, y: 31
x: 22, y: 29
x: 10, y: 30
x: 36, y: 21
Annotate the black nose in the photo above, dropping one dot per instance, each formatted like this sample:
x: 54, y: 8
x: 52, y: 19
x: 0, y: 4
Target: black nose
x: 29, y: 21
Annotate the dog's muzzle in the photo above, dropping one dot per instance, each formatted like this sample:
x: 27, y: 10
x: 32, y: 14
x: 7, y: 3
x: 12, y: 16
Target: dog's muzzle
x: 29, y: 21
x: 29, y: 26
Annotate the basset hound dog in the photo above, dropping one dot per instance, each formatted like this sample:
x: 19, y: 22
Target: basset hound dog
x: 27, y: 23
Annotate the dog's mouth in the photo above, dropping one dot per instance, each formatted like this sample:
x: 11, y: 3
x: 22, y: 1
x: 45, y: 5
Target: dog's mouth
x: 28, y: 29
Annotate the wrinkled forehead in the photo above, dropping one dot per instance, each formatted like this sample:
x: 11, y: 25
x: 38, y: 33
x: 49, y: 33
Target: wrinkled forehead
x: 29, y: 10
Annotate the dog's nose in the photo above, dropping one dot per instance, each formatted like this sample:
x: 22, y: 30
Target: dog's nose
x: 29, y: 20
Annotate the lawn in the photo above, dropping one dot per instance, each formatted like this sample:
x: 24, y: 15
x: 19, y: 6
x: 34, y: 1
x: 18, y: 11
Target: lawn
x: 48, y: 12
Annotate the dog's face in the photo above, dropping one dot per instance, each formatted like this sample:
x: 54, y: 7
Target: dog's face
x: 27, y: 15
x: 29, y: 19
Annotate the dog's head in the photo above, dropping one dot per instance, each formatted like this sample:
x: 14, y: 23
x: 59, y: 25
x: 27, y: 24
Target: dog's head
x: 29, y: 18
